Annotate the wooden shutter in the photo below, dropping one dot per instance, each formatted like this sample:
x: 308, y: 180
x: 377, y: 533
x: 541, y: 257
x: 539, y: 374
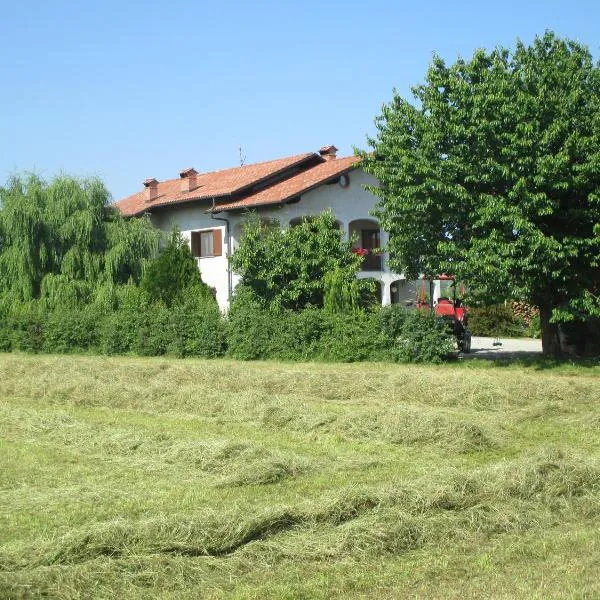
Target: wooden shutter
x: 195, y: 240
x: 217, y: 242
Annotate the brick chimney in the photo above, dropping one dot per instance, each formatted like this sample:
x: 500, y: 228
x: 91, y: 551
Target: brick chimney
x: 151, y: 191
x: 328, y: 152
x: 188, y: 179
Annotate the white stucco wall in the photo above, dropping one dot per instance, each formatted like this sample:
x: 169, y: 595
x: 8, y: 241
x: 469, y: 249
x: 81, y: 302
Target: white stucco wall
x: 194, y: 218
x: 348, y: 204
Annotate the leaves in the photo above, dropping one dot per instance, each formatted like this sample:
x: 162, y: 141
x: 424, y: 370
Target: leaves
x: 286, y: 268
x: 493, y: 174
x: 62, y: 241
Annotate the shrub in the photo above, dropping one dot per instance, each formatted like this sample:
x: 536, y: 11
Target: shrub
x: 496, y: 320
x: 120, y: 331
x: 175, y: 269
x: 424, y: 338
x: 25, y: 325
x: 72, y: 330
x: 251, y: 326
x: 199, y: 333
x: 535, y: 327
x: 391, y: 333
x: 392, y: 319
x: 287, y: 268
x: 353, y: 338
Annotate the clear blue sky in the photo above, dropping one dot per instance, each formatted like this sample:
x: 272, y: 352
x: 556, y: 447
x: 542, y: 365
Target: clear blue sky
x: 128, y: 90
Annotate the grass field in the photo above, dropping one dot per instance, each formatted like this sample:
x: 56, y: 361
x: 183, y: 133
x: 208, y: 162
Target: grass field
x: 143, y: 478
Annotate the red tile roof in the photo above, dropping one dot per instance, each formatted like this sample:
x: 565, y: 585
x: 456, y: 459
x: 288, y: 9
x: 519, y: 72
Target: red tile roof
x: 295, y: 185
x: 234, y: 189
x: 211, y: 185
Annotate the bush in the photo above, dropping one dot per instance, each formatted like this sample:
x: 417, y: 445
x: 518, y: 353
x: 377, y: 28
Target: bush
x: 72, y: 330
x: 24, y: 327
x: 495, y: 321
x: 121, y: 330
x: 391, y: 333
x: 175, y: 269
x: 424, y: 338
x: 355, y: 337
x: 251, y: 326
x: 200, y: 333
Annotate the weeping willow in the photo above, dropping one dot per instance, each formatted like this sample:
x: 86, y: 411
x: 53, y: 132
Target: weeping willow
x: 62, y: 243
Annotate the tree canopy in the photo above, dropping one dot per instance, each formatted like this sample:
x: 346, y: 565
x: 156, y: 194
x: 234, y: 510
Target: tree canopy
x: 62, y: 242
x: 492, y: 173
x: 287, y: 268
x: 173, y: 272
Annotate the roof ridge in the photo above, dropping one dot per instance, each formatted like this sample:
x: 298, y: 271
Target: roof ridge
x: 299, y: 157
x: 238, y: 180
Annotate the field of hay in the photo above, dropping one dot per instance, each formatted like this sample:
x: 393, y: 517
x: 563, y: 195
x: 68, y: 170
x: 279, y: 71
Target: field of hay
x: 158, y: 478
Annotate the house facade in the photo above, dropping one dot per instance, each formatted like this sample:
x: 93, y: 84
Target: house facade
x: 210, y: 210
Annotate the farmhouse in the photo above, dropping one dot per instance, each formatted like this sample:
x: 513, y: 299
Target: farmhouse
x: 210, y: 209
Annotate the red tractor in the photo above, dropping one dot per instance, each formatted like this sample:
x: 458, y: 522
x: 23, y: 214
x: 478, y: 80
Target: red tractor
x: 449, y: 307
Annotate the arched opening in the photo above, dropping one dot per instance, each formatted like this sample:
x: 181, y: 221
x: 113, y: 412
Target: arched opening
x: 367, y: 243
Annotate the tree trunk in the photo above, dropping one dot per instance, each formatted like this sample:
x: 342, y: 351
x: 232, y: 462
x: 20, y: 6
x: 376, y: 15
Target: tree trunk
x: 550, y: 336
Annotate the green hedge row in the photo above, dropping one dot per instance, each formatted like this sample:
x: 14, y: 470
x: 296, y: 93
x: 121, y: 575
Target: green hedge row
x: 149, y: 331
x: 250, y: 332
x: 390, y: 334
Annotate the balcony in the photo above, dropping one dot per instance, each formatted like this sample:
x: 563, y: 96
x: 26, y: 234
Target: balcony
x: 367, y: 237
x: 371, y: 259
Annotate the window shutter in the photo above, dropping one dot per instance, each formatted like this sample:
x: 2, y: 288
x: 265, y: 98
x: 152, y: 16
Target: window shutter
x: 195, y: 243
x: 217, y: 242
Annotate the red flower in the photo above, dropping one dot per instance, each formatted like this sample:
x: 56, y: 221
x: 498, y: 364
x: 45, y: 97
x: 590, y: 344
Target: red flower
x: 360, y: 251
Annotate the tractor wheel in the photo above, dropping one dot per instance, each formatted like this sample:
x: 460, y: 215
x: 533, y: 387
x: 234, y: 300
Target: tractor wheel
x: 466, y: 342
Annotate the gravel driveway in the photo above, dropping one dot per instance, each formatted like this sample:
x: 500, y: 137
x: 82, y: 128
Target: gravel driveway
x: 483, y: 347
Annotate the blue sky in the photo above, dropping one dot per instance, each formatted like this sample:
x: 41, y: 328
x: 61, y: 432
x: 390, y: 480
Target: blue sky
x: 129, y: 90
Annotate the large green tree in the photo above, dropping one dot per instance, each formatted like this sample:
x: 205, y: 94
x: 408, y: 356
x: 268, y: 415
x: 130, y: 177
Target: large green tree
x: 286, y: 268
x: 492, y: 173
x: 62, y: 241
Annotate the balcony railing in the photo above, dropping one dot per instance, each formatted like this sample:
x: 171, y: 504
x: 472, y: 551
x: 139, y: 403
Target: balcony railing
x: 371, y: 259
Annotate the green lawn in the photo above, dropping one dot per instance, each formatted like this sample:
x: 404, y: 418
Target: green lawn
x: 141, y: 478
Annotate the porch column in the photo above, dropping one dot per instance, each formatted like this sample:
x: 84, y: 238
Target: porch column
x: 386, y: 294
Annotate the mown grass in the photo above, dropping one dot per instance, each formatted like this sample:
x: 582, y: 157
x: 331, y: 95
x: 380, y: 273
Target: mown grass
x: 138, y: 478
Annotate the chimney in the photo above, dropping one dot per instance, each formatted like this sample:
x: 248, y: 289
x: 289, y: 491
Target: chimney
x: 151, y: 191
x: 188, y: 179
x: 328, y: 152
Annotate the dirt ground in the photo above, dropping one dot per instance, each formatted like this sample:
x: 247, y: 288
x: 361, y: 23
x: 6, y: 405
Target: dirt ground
x: 487, y: 347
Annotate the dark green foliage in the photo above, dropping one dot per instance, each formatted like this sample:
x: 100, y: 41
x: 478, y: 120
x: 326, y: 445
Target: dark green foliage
x: 287, y: 268
x: 252, y: 326
x: 493, y: 174
x: 582, y: 337
x: 392, y: 319
x: 392, y: 334
x: 497, y: 320
x: 121, y: 331
x: 24, y: 328
x: 355, y: 338
x: 191, y: 327
x: 72, y: 330
x: 174, y: 270
x: 424, y: 338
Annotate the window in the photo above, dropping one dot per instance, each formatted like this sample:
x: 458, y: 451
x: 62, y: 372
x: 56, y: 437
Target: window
x: 207, y: 246
x: 370, y: 238
x: 207, y: 243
